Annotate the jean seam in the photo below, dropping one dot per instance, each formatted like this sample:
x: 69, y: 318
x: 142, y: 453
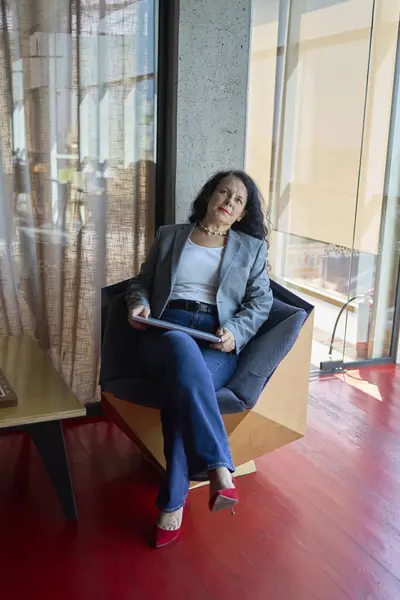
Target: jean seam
x: 173, y: 509
x: 219, y: 464
x: 198, y: 476
x: 220, y: 364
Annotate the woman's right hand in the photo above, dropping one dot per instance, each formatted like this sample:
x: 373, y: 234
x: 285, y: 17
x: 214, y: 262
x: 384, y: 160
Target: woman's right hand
x: 138, y: 311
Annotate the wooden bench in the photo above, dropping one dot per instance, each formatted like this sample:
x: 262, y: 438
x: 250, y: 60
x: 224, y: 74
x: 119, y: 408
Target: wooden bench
x: 44, y: 400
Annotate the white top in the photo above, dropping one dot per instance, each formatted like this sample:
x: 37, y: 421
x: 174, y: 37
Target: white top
x: 198, y: 273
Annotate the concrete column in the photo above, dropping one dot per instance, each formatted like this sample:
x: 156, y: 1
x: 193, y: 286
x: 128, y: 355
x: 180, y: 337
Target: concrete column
x: 212, y: 78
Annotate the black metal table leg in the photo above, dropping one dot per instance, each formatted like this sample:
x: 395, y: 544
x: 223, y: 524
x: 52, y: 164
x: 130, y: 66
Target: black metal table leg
x: 49, y: 441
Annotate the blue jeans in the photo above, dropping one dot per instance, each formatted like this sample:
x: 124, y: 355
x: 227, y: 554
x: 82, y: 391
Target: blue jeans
x: 195, y: 439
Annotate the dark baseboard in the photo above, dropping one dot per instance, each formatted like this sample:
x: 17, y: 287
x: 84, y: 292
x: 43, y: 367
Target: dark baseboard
x: 94, y: 409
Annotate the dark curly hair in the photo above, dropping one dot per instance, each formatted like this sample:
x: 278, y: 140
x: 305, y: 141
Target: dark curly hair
x: 255, y: 220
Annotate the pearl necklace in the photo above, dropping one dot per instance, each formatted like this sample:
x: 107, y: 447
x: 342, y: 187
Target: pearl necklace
x: 211, y: 232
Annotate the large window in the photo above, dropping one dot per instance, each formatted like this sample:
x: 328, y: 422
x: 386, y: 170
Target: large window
x: 78, y: 97
x: 322, y: 144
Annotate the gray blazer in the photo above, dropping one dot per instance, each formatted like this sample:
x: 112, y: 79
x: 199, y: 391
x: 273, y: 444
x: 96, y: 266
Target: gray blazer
x: 244, y: 296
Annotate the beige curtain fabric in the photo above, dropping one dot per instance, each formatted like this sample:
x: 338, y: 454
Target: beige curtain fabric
x: 77, y: 170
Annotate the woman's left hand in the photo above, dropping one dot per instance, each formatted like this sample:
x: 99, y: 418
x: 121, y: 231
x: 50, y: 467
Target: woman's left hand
x: 227, y: 343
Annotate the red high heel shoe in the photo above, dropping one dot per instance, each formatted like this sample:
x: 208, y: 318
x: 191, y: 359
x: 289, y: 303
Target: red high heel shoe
x: 163, y: 537
x: 224, y: 499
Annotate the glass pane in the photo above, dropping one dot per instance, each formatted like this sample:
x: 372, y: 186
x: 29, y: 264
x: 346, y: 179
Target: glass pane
x: 77, y: 167
x: 321, y: 84
x: 377, y: 230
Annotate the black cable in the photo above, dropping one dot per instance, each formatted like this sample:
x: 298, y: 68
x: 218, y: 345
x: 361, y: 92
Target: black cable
x: 337, y: 321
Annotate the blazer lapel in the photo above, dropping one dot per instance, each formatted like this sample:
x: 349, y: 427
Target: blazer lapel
x: 232, y: 248
x: 181, y: 237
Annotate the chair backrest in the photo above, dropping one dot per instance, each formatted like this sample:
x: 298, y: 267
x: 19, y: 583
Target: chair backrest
x: 280, y: 293
x: 263, y: 354
x: 288, y: 297
x: 108, y: 293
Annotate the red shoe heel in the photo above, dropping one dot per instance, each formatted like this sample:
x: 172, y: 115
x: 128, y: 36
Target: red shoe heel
x: 224, y: 499
x: 163, y: 537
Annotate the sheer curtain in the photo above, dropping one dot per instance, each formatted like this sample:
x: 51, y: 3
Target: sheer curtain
x: 77, y: 168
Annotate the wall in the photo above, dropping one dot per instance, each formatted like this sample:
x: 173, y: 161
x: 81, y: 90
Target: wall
x: 213, y: 53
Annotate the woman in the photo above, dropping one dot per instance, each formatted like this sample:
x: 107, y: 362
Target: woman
x: 210, y: 274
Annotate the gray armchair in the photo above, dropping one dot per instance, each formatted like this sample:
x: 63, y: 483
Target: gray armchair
x: 262, y: 410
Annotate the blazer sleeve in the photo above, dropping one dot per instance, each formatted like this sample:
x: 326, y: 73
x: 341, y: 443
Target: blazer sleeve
x: 140, y: 287
x: 256, y: 304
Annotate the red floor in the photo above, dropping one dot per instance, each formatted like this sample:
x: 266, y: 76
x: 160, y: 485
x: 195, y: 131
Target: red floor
x: 320, y: 519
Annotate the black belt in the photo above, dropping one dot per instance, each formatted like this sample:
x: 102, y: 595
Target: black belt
x: 193, y: 306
